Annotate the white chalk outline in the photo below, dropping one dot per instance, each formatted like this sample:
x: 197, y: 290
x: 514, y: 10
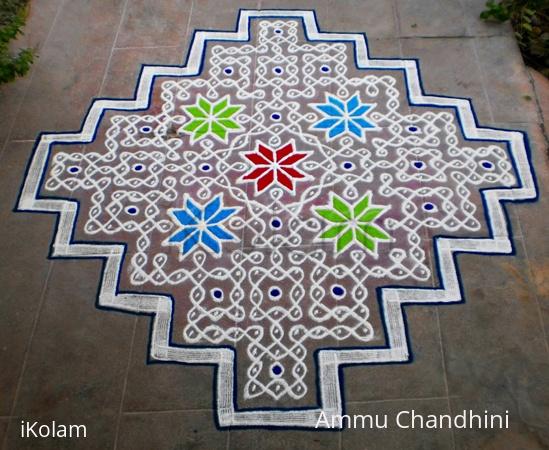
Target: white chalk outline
x: 391, y: 299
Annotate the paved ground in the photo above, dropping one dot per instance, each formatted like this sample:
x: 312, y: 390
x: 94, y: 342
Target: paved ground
x: 65, y: 360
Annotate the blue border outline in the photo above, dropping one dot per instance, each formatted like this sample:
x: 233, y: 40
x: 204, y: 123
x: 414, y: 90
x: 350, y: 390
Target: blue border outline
x: 378, y: 289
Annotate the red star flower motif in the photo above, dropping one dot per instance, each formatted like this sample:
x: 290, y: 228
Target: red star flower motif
x: 275, y: 167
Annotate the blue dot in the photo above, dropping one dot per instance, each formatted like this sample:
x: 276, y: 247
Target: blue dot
x: 205, y: 167
x: 325, y: 69
x: 412, y: 129
x: 278, y: 70
x: 131, y: 210
x: 218, y: 293
x: 418, y: 164
x: 74, y: 169
x: 276, y: 223
x: 275, y: 292
x: 277, y: 370
x: 487, y: 165
x: 428, y: 206
x: 275, y: 116
x: 138, y: 167
x: 146, y: 129
x: 338, y: 291
x: 348, y: 165
x: 228, y: 70
x: 278, y: 31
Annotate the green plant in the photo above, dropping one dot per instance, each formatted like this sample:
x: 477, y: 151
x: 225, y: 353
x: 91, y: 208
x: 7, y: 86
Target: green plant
x: 530, y: 21
x: 12, y: 19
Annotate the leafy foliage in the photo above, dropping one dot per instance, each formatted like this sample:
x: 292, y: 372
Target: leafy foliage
x: 12, y: 19
x: 530, y: 20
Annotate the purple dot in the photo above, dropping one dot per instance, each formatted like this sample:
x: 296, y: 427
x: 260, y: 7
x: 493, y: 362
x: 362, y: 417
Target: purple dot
x: 418, y: 165
x: 278, y: 70
x: 348, y: 165
x: 131, y: 210
x: 74, y: 169
x: 229, y: 70
x: 275, y: 292
x: 277, y: 370
x: 487, y: 165
x: 338, y: 291
x: 275, y: 116
x: 428, y: 206
x: 218, y: 293
x: 325, y: 69
x: 276, y: 223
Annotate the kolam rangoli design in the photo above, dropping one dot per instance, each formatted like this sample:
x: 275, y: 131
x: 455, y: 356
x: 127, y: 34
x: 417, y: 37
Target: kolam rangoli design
x: 274, y: 203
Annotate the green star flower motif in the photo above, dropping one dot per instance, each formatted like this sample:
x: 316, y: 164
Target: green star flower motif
x: 211, y: 119
x: 353, y: 223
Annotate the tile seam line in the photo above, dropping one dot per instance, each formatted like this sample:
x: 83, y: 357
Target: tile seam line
x: 125, y: 384
x: 536, y: 297
x: 108, y: 64
x: 450, y: 36
x: 49, y: 264
x: 396, y: 17
x: 30, y: 79
x: 27, y: 351
x: 144, y: 47
x: 399, y: 399
x: 167, y: 411
x: 531, y: 279
x: 541, y: 117
x: 483, y: 80
x: 443, y: 358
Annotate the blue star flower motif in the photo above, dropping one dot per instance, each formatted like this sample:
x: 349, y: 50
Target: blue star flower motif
x: 201, y: 225
x: 344, y: 117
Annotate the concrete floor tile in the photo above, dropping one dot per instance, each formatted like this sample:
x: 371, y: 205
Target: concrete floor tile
x: 39, y: 21
x: 177, y: 430
x: 274, y: 440
x: 23, y: 279
x: 541, y: 89
x: 450, y: 67
x: 225, y: 18
x: 38, y: 24
x: 431, y: 18
x: 3, y: 428
x: 527, y: 423
x: 125, y: 66
x: 70, y: 69
x: 384, y: 48
x: 369, y: 382
x: 11, y: 96
x: 478, y: 27
x: 153, y: 23
x: 533, y: 216
x: 486, y: 338
x: 506, y: 80
x: 84, y: 378
x: 158, y: 387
